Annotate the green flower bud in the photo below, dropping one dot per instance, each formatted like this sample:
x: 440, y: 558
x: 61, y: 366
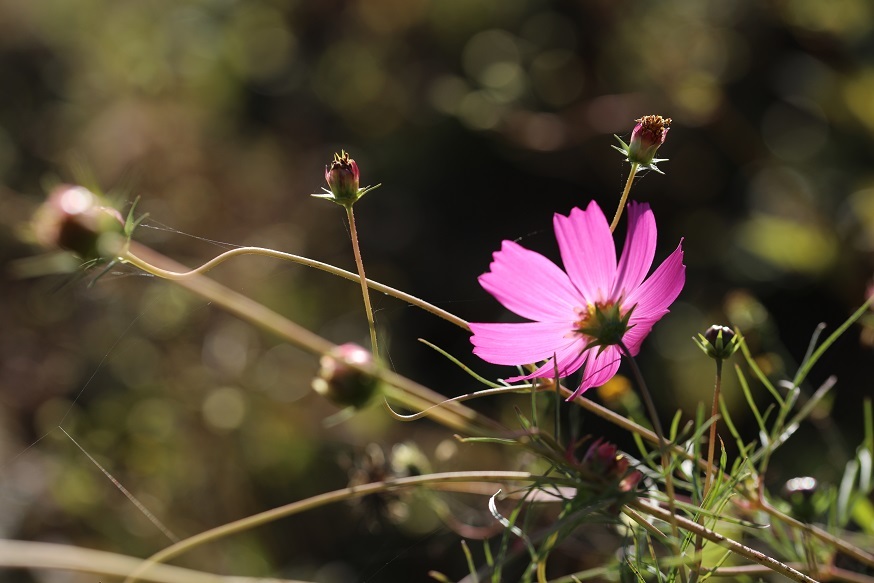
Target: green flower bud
x: 718, y: 342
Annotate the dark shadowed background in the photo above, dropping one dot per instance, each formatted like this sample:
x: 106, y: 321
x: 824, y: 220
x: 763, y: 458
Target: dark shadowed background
x: 481, y: 119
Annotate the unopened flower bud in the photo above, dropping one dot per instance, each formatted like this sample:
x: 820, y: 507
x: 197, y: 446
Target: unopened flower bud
x: 718, y: 342
x: 73, y: 219
x: 604, y: 459
x: 646, y: 138
x: 341, y: 383
x: 601, y: 456
x: 343, y: 176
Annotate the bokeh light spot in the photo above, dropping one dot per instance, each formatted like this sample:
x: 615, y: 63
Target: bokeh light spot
x: 224, y: 408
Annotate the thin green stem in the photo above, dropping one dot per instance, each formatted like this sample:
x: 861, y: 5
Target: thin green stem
x: 409, y: 394
x: 326, y: 498
x: 624, y: 197
x: 37, y: 556
x: 264, y: 252
x: 368, y: 309
x: 663, y: 450
x: 708, y: 475
x: 629, y: 425
x: 846, y: 548
x: 730, y: 544
x: 711, y: 446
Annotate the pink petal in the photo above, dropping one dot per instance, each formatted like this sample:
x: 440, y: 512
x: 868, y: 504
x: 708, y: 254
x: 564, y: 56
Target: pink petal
x: 530, y: 285
x: 599, y: 369
x: 637, y: 333
x: 519, y: 344
x: 659, y: 291
x: 587, y: 251
x: 639, y: 249
x: 570, y: 359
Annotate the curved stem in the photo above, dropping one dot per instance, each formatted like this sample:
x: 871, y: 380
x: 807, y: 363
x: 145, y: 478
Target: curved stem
x: 349, y: 493
x: 409, y: 393
x: 131, y: 258
x: 624, y: 197
x: 368, y: 309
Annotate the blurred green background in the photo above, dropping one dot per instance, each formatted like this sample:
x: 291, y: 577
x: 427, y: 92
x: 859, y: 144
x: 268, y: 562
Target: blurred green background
x: 481, y: 118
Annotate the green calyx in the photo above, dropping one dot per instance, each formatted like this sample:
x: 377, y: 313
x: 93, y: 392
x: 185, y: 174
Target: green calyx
x: 346, y: 200
x: 634, y: 157
x: 605, y: 325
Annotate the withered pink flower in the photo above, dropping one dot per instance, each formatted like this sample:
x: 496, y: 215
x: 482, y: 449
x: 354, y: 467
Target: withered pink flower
x: 582, y: 315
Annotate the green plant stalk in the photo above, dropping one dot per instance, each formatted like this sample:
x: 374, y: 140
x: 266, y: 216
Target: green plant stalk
x: 728, y: 543
x: 846, y: 548
x: 663, y: 450
x: 368, y: 309
x: 629, y: 425
x: 410, y: 394
x: 708, y: 476
x: 155, y: 264
x: 326, y: 498
x: 264, y: 252
x: 711, y: 446
x: 829, y: 573
x: 624, y: 197
x: 51, y: 556
x: 808, y: 364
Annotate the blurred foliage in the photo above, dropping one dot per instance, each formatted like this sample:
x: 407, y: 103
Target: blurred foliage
x: 481, y: 118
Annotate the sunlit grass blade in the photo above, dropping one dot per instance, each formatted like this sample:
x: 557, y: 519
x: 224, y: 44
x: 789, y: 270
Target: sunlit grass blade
x: 752, y: 404
x: 729, y: 423
x: 461, y: 365
x: 474, y: 578
x: 751, y: 362
x: 805, y: 367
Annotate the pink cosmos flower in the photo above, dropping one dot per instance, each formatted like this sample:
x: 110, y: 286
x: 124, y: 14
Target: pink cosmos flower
x: 579, y: 315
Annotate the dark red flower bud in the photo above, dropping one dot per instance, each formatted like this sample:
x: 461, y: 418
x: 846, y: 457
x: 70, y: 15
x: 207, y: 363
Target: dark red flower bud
x: 343, y: 178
